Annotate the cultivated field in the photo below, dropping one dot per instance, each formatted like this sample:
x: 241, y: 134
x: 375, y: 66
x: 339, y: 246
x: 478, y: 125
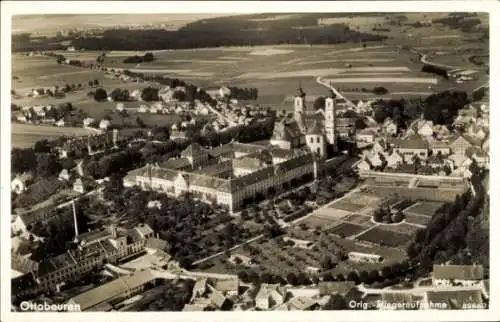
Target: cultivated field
x: 25, y: 135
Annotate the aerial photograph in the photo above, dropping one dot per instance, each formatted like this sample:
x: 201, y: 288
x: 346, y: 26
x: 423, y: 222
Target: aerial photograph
x: 250, y: 162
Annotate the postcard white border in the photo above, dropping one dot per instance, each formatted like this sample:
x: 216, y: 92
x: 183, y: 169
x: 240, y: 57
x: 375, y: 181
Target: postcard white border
x: 10, y: 8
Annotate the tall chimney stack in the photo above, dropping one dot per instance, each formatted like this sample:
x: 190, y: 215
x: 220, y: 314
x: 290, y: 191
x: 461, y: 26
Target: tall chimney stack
x: 75, y: 222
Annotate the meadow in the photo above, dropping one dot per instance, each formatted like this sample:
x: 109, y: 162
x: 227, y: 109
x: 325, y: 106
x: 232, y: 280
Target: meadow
x: 26, y: 135
x: 278, y: 70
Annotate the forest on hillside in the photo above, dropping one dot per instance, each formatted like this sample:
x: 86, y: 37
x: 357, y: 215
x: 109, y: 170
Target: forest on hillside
x: 215, y: 32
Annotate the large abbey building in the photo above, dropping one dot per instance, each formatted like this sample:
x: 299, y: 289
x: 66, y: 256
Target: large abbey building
x: 317, y: 130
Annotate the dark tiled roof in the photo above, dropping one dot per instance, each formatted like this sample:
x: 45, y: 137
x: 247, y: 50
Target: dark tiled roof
x: 175, y: 164
x: 417, y: 144
x: 459, y: 272
x: 286, y: 130
x: 193, y: 150
x: 200, y: 180
x: 248, y: 163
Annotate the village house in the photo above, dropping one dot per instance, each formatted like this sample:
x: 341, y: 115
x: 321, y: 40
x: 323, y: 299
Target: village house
x: 60, y: 122
x: 143, y: 109
x: 459, y: 145
x: 120, y: 107
x: 476, y: 131
x: 393, y: 160
x: 366, y: 136
x: 439, y: 147
x: 78, y: 186
x: 270, y: 295
x: 21, y: 182
x: 136, y: 95
x: 389, y: 127
x: 421, y: 127
x: 64, y: 175
x: 200, y: 288
x: 375, y: 160
x: 364, y: 165
x: 104, y: 124
x: 219, y: 301
x: 482, y: 158
x: 460, y: 161
x: 100, y: 298
x: 463, y: 275
x: 228, y: 287
x: 410, y: 148
x: 364, y: 257
x: 88, y: 121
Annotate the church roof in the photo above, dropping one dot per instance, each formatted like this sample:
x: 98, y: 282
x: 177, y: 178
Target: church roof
x: 286, y: 131
x: 192, y: 150
x: 315, y: 129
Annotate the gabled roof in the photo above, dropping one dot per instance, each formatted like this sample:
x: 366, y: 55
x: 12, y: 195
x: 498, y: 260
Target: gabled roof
x: 193, y: 150
x: 217, y: 298
x: 417, y: 144
x: 315, y: 129
x: 227, y: 285
x: 175, y: 163
x: 460, y: 272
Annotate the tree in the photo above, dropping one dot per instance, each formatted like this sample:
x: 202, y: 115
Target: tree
x: 100, y: 95
x: 387, y: 272
x: 326, y: 263
x: 379, y: 90
x: 292, y: 279
x: 353, y: 276
x: 42, y: 146
x: 336, y: 302
x: 47, y: 165
x: 319, y: 103
x: 150, y: 94
x: 374, y: 275
x: 140, y: 122
x: 243, y: 275
x: 360, y: 124
x: 120, y: 95
x: 364, y: 277
x: 179, y: 95
x: 379, y: 115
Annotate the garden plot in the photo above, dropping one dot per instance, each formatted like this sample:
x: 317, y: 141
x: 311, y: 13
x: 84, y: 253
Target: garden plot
x: 330, y: 214
x: 345, y: 230
x: 427, y: 208
x: 417, y: 219
x: 383, y: 237
x: 358, y: 219
x: 345, y: 205
x: 402, y: 228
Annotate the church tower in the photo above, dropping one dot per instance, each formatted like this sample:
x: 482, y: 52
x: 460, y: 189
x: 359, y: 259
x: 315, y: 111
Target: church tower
x: 300, y: 101
x: 330, y: 119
